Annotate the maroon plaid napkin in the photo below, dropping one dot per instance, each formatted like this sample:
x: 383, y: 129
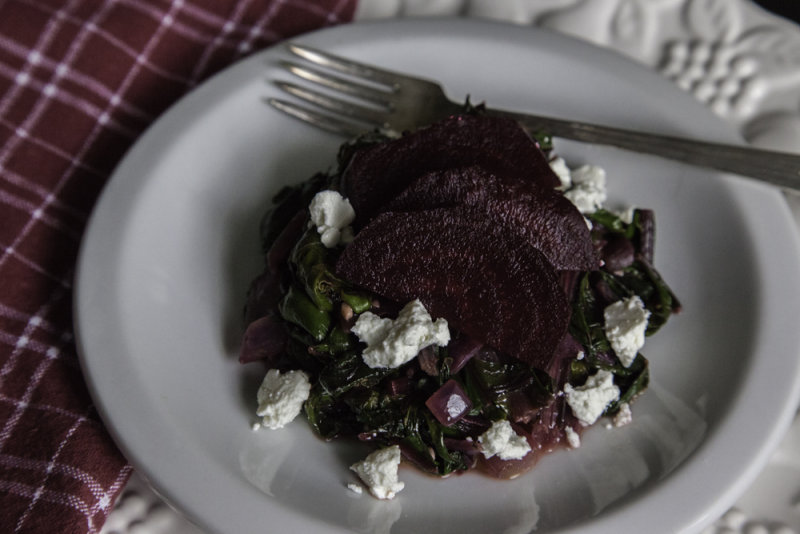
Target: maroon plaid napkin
x: 79, y: 81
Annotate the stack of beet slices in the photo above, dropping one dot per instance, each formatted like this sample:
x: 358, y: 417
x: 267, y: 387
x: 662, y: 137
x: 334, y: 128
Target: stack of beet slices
x: 466, y: 216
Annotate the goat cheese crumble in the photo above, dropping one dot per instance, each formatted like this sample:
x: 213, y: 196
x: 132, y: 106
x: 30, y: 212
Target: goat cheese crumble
x: 281, y: 397
x: 332, y: 214
x: 559, y: 167
x: 625, y: 326
x: 589, y: 401
x: 391, y: 343
x: 379, y: 472
x: 501, y: 441
x: 588, y: 188
x: 624, y: 416
x: 573, y: 438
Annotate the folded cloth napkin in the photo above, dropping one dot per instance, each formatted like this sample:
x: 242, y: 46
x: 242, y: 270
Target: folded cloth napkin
x: 79, y: 81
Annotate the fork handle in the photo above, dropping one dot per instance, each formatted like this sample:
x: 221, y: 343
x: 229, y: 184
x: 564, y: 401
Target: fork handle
x: 778, y: 168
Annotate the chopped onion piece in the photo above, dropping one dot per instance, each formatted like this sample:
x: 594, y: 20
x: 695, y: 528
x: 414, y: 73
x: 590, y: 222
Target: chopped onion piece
x: 449, y: 403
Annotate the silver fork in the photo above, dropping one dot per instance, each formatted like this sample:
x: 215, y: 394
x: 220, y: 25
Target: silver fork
x: 368, y: 98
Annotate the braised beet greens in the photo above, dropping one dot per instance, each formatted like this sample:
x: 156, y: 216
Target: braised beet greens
x: 315, y: 310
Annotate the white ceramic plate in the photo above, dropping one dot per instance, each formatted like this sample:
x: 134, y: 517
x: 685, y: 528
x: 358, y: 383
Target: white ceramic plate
x: 173, y: 244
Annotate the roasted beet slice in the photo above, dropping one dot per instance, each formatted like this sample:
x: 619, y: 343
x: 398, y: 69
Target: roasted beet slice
x: 377, y: 173
x: 492, y: 285
x: 544, y: 216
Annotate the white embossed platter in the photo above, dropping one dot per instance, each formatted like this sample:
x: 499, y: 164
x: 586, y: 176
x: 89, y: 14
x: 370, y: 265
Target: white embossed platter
x: 173, y: 245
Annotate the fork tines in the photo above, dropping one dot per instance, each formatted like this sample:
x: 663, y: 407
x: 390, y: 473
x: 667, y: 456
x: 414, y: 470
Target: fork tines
x: 359, y: 99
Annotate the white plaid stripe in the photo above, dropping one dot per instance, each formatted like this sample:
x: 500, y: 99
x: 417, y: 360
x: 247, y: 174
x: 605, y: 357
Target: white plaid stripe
x: 63, y: 281
x: 24, y: 317
x: 25, y: 183
x: 332, y: 16
x: 48, y: 471
x: 67, y: 499
x: 51, y: 410
x: 62, y: 71
x: 55, y: 497
x: 22, y: 405
x: 205, y: 17
x: 44, y: 40
x: 258, y: 29
x: 68, y: 470
x: 142, y: 61
x: 94, y: 28
x: 56, y: 151
x: 51, y: 90
x: 36, y: 212
x: 226, y: 28
x: 30, y: 327
x: 43, y: 349
x: 34, y: 116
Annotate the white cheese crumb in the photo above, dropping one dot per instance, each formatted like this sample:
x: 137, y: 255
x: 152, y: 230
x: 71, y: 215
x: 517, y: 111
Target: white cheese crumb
x: 589, y: 401
x: 581, y: 355
x: 626, y: 215
x: 588, y: 191
x: 391, y: 343
x: 281, y: 397
x: 624, y: 416
x: 502, y: 441
x: 559, y: 167
x: 332, y: 214
x: 455, y: 406
x: 255, y: 426
x: 573, y: 438
x: 379, y: 472
x: 355, y: 488
x: 625, y: 325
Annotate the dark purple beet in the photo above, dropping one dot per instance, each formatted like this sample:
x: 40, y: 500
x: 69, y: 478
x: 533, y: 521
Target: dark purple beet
x: 547, y: 432
x: 377, y: 173
x: 449, y: 403
x: 603, y: 291
x: 279, y: 250
x: 398, y: 386
x: 262, y: 296
x: 428, y: 361
x: 424, y: 462
x: 474, y: 425
x: 647, y: 234
x: 521, y: 408
x: 468, y: 446
x: 569, y: 281
x: 489, y: 284
x: 542, y: 215
x: 461, y: 350
x: 265, y: 339
x: 566, y: 351
x: 618, y: 253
